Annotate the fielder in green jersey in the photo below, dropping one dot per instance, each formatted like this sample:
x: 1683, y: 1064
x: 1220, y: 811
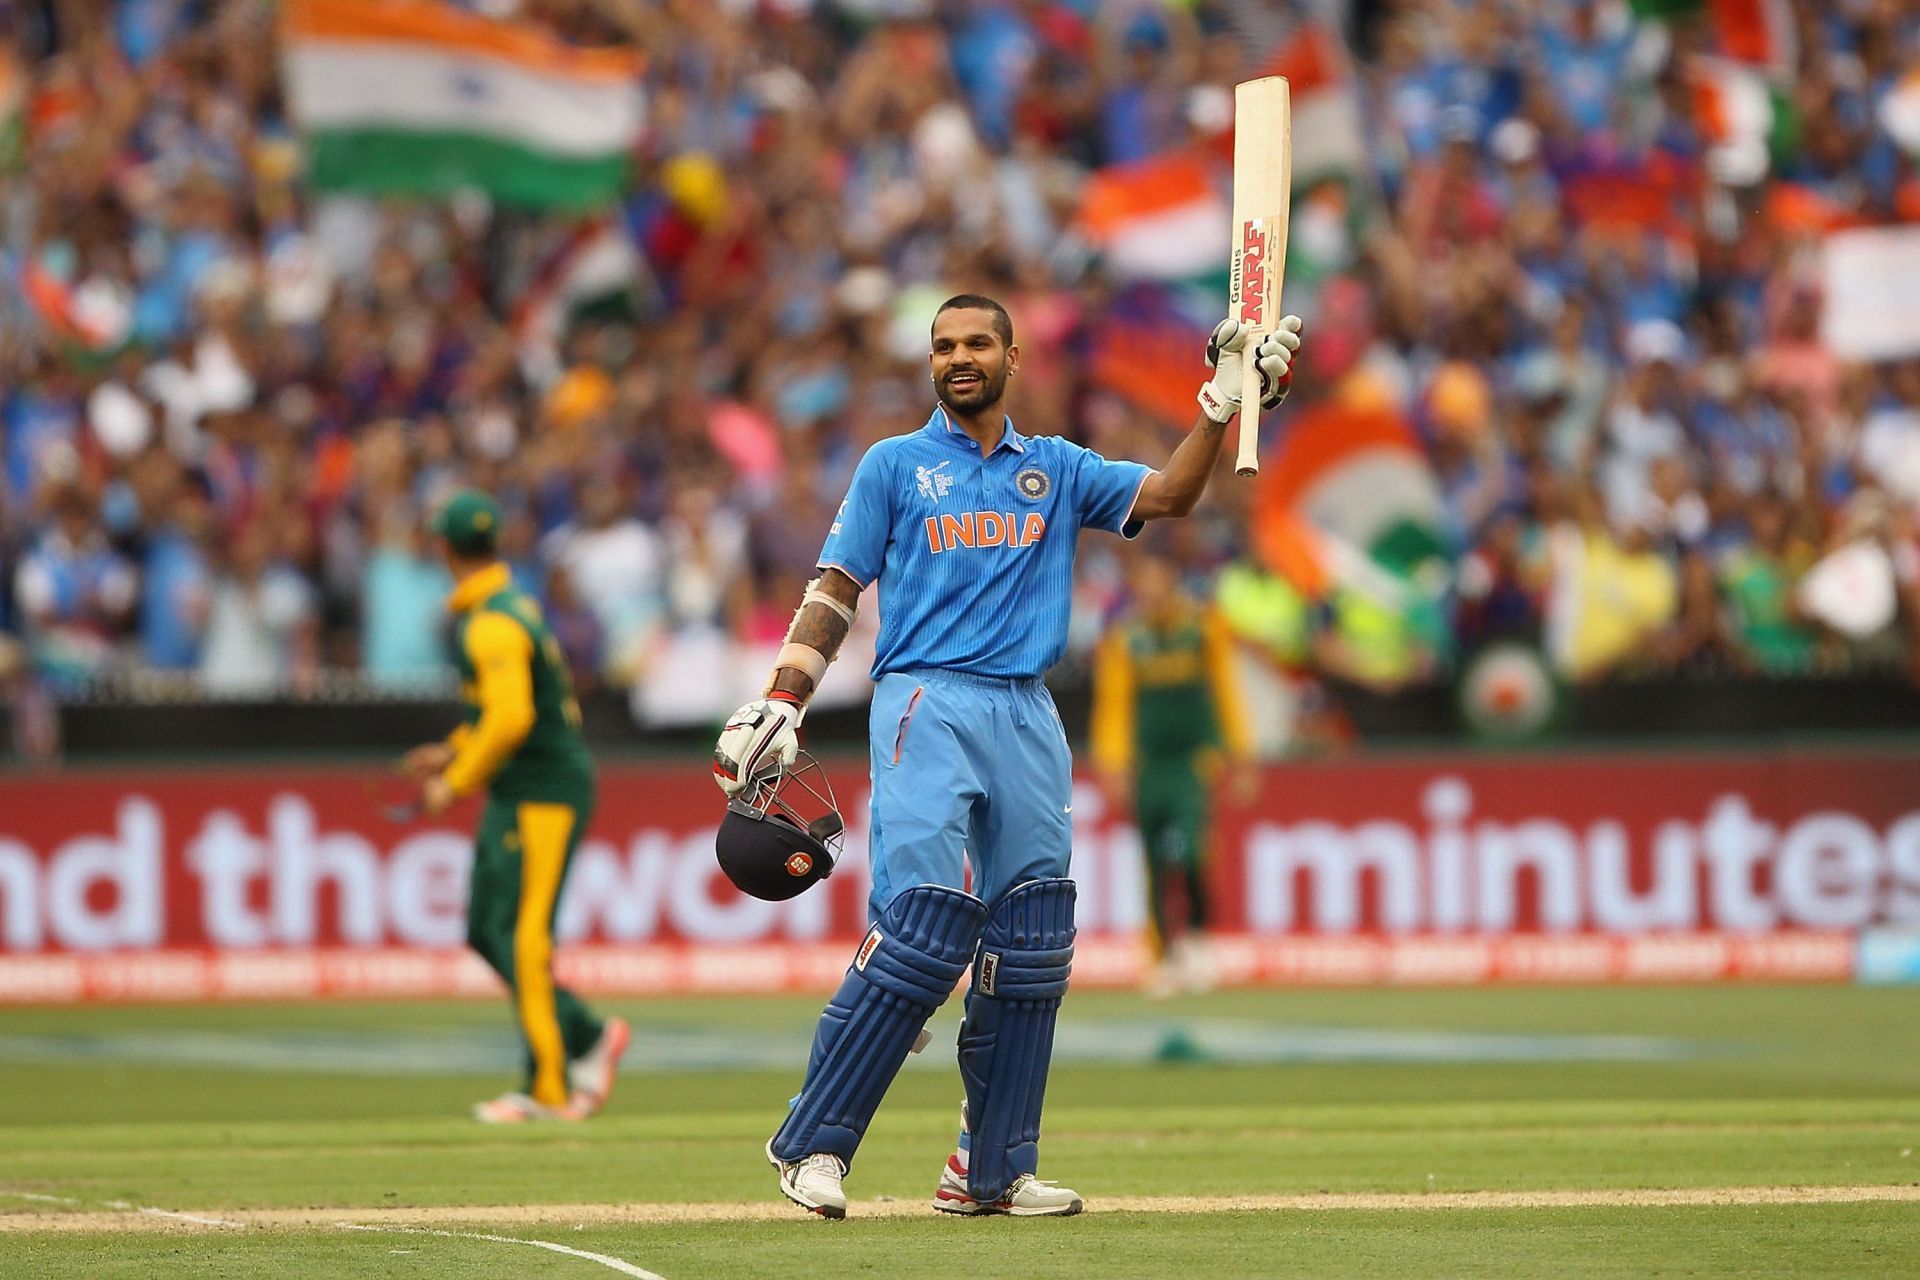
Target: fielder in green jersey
x: 521, y: 742
x: 1165, y: 714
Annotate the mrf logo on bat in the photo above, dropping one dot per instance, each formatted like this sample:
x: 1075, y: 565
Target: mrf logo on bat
x: 1251, y: 267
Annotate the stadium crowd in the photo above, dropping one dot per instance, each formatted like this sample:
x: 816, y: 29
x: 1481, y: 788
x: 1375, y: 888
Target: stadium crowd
x: 230, y: 402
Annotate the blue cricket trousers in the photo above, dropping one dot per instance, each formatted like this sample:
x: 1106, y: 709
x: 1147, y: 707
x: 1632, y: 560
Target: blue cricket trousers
x: 966, y: 768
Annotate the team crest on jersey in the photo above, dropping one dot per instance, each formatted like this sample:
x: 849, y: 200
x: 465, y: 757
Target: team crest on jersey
x: 1032, y: 484
x: 934, y: 482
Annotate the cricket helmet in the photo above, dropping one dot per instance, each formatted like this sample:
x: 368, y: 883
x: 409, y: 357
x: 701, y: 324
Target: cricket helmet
x: 782, y: 833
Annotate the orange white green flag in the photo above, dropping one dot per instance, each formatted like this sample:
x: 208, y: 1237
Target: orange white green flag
x: 13, y: 112
x: 420, y: 97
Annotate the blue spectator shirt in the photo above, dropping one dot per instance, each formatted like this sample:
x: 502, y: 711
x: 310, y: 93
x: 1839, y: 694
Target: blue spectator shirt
x: 992, y: 53
x: 174, y: 592
x: 974, y: 556
x: 404, y: 601
x: 1585, y: 75
x: 34, y: 424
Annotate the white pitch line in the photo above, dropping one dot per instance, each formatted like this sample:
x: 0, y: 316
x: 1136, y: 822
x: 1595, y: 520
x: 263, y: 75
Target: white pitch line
x: 125, y: 1206
x: 617, y: 1264
x: 201, y: 1220
x: 196, y: 1219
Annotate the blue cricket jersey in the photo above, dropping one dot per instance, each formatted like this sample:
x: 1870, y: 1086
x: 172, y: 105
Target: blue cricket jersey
x: 974, y: 556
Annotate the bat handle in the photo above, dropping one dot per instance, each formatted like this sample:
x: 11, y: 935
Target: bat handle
x: 1246, y: 461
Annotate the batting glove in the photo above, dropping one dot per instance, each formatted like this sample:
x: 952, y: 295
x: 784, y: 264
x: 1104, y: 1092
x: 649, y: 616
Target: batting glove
x: 1274, y: 358
x: 1226, y: 355
x: 759, y: 740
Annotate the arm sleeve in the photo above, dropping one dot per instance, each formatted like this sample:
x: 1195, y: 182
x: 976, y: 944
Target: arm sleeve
x: 1229, y: 710
x: 857, y: 541
x: 502, y: 655
x: 1104, y: 492
x: 1113, y: 703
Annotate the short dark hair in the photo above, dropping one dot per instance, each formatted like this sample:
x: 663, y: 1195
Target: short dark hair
x: 1002, y: 322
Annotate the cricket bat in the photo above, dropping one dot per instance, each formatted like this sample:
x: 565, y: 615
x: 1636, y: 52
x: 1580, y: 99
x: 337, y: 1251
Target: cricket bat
x: 1262, y: 200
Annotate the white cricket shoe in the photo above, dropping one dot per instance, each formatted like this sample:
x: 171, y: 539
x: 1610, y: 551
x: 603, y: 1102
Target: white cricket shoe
x: 812, y: 1182
x: 1195, y: 970
x: 518, y: 1108
x: 592, y: 1073
x: 1028, y: 1197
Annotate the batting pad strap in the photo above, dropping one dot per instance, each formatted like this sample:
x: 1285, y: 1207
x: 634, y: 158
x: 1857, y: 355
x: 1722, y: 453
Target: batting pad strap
x: 1006, y: 1042
x: 906, y: 968
x: 803, y: 658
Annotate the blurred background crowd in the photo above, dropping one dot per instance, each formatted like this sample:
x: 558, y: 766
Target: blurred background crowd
x: 1566, y: 264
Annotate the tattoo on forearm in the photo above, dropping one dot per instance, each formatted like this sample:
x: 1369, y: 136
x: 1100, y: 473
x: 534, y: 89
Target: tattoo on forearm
x: 821, y: 629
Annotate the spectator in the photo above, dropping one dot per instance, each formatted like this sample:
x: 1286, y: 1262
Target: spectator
x: 706, y: 560
x: 1765, y: 630
x: 1523, y: 234
x: 75, y: 593
x: 177, y: 580
x: 582, y: 640
x: 616, y: 564
x: 404, y: 604
x: 261, y: 637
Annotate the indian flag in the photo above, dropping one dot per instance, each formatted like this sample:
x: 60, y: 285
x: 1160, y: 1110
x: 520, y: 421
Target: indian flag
x: 1758, y: 33
x: 1348, y: 498
x: 1163, y: 218
x: 595, y: 266
x: 1748, y: 119
x: 1329, y: 134
x: 13, y: 112
x: 418, y: 97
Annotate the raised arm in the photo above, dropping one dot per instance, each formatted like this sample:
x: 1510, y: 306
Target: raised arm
x: 1175, y: 489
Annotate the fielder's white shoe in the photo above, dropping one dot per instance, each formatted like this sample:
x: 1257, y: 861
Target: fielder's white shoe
x: 812, y: 1182
x: 1028, y: 1197
x: 1193, y: 966
x: 592, y: 1073
x: 518, y: 1108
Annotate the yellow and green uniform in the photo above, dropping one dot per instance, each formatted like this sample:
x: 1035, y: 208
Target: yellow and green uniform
x: 1164, y: 709
x: 521, y: 741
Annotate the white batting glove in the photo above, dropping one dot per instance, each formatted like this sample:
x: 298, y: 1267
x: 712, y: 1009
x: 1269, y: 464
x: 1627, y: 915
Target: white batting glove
x: 1274, y: 358
x: 759, y: 740
x: 1226, y: 355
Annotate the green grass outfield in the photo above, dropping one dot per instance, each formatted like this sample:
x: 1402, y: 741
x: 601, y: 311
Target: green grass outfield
x: 1541, y: 1131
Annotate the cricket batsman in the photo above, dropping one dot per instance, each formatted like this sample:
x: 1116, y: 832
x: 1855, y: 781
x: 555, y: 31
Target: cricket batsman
x: 521, y: 742
x: 1165, y: 711
x: 969, y: 529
